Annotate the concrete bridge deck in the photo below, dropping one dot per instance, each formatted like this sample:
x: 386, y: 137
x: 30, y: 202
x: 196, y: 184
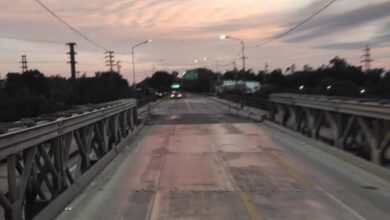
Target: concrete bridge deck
x: 195, y: 161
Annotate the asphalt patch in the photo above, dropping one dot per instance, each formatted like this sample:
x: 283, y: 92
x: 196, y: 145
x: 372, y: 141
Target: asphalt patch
x: 177, y: 119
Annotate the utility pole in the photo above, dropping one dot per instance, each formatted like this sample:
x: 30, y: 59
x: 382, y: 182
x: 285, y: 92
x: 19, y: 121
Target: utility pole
x: 235, y: 66
x: 118, y: 66
x: 110, y: 60
x: 366, y: 58
x: 266, y: 67
x: 243, y: 55
x: 24, y: 64
x: 72, y: 61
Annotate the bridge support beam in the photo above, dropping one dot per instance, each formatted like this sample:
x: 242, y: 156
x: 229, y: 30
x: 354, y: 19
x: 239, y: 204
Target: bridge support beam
x: 50, y: 161
x: 355, y: 127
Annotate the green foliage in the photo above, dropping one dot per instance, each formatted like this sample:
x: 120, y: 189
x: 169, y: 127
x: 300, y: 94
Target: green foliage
x: 162, y: 80
x: 32, y: 80
x: 31, y: 93
x: 104, y: 87
x: 344, y: 79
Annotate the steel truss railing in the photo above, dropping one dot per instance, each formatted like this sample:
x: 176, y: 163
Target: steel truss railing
x: 358, y: 126
x: 29, y: 122
x: 246, y: 100
x: 45, y: 166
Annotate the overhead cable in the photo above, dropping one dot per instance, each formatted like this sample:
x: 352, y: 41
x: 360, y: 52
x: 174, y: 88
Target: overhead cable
x: 296, y: 26
x: 71, y: 27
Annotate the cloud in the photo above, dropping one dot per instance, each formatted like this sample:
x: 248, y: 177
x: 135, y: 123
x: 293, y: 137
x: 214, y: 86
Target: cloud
x: 334, y: 23
x: 184, y: 30
x: 346, y: 46
x: 380, y: 40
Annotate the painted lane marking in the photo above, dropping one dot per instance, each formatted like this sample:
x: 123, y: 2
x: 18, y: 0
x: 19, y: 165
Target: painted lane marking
x: 342, y: 204
x: 249, y: 207
x: 308, y: 184
x: 288, y: 169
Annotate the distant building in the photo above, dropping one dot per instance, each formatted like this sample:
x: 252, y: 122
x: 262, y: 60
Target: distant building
x: 240, y: 86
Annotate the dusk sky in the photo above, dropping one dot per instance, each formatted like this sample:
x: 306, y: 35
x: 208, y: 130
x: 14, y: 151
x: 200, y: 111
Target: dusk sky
x: 185, y: 30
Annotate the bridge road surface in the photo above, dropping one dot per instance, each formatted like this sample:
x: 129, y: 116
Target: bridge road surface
x: 195, y: 161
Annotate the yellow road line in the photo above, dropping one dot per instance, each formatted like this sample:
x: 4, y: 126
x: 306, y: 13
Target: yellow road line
x: 249, y: 207
x: 291, y: 171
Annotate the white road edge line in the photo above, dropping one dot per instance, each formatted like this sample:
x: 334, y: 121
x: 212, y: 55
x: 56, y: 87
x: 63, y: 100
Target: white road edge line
x: 345, y: 206
x: 154, y: 206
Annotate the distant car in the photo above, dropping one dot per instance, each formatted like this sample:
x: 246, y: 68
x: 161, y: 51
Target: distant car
x: 176, y: 95
x: 159, y: 94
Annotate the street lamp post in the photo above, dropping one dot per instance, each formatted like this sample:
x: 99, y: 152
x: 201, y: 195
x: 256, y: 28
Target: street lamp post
x: 223, y: 37
x: 212, y: 59
x: 132, y: 56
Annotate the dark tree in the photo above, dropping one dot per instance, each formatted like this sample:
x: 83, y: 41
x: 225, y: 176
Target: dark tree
x: 33, y: 81
x: 161, y: 81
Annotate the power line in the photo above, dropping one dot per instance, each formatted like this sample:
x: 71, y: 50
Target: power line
x: 70, y: 27
x: 110, y: 60
x: 118, y: 66
x: 238, y: 55
x: 24, y: 66
x: 366, y: 58
x: 72, y: 61
x: 298, y: 25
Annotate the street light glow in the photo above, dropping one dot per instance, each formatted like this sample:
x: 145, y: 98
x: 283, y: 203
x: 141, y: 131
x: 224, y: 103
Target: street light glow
x: 328, y: 87
x: 223, y: 36
x: 301, y: 87
x: 150, y: 40
x: 196, y: 61
x: 205, y: 59
x: 362, y: 91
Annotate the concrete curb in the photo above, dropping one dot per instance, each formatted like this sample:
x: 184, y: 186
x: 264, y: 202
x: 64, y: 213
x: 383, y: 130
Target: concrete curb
x: 143, y: 112
x: 247, y: 112
x: 372, y: 168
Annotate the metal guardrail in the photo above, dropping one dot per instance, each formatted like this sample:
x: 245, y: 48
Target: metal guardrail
x: 361, y: 107
x: 47, y: 165
x: 6, y: 127
x: 145, y: 100
x: 246, y: 100
x: 360, y: 126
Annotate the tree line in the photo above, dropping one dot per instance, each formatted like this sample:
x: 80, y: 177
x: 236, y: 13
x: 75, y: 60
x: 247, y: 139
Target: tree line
x: 337, y: 78
x: 31, y: 93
